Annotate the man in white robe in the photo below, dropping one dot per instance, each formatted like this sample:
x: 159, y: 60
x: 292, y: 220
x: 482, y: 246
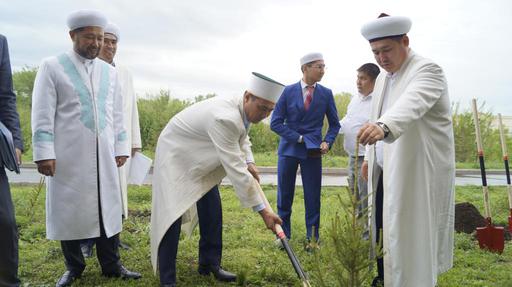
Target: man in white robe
x: 197, y: 149
x: 411, y: 167
x: 79, y: 141
x: 130, y: 116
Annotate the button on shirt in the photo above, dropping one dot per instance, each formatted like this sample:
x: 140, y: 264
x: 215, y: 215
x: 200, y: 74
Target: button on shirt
x: 380, y: 144
x: 358, y: 113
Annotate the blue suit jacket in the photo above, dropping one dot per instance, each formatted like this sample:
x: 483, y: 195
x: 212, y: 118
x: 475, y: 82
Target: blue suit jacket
x: 290, y: 120
x: 8, y: 114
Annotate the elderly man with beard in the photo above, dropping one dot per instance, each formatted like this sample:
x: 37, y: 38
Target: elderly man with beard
x: 79, y: 141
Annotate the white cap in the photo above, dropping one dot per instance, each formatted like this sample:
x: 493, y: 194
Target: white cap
x: 386, y: 26
x: 311, y: 57
x: 264, y: 87
x: 114, y: 30
x: 86, y: 18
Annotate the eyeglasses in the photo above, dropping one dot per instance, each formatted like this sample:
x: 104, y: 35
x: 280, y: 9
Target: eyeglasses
x: 321, y: 67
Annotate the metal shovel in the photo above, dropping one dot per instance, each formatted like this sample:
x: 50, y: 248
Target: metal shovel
x: 489, y: 237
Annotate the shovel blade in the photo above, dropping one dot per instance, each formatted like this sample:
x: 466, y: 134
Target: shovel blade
x: 491, y: 238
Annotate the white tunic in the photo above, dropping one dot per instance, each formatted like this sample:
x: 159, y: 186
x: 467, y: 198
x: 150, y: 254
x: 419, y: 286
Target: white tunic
x: 131, y: 124
x: 358, y: 113
x: 419, y: 173
x: 76, y: 120
x: 196, y: 150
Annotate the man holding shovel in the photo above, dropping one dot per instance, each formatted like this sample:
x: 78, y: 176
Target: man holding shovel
x: 198, y: 148
x: 410, y: 159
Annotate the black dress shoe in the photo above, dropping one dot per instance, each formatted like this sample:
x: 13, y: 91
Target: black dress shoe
x: 123, y: 273
x: 218, y: 272
x: 67, y: 279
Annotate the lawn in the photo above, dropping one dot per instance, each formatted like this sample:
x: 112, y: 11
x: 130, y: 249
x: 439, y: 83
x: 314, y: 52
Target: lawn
x: 248, y: 246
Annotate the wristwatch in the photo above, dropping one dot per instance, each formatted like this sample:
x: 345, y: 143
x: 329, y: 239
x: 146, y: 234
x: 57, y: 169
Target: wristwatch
x: 384, y: 128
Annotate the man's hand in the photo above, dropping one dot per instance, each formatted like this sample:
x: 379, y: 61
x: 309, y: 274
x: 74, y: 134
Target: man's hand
x: 46, y: 167
x: 18, y: 156
x: 251, y: 167
x: 120, y: 160
x: 270, y: 219
x: 135, y: 149
x: 324, y: 148
x: 370, y: 133
x: 364, y: 170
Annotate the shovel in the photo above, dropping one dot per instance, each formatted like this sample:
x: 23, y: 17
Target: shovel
x: 293, y: 258
x: 507, y: 171
x: 489, y: 237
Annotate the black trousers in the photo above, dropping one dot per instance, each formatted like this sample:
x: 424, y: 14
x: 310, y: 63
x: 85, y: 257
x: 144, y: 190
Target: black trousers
x: 8, y: 236
x: 107, y: 251
x: 379, y: 200
x: 209, y: 211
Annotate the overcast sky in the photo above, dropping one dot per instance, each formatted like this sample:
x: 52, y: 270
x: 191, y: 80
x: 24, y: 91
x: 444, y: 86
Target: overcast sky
x: 194, y: 47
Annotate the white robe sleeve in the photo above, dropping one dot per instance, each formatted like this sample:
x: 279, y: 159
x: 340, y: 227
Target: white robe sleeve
x: 224, y: 136
x: 44, y: 102
x: 135, y: 127
x: 121, y: 140
x: 246, y: 148
x: 420, y: 96
x: 136, y: 139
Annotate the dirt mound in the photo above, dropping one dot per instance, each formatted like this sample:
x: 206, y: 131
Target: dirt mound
x: 467, y: 219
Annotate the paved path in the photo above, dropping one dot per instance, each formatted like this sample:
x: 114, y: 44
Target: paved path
x: 268, y: 175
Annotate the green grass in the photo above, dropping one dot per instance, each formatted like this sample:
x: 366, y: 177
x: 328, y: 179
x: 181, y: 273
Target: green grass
x: 248, y: 246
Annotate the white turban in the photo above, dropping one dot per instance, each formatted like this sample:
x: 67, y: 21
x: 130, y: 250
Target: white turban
x: 113, y: 29
x: 385, y: 27
x: 311, y: 57
x: 264, y: 87
x: 86, y: 18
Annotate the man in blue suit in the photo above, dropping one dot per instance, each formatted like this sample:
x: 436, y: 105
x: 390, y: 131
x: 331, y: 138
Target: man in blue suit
x: 8, y: 230
x: 298, y: 119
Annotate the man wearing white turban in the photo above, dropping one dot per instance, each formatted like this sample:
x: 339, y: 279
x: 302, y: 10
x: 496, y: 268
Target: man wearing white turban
x: 410, y: 160
x: 108, y: 51
x: 78, y: 142
x: 197, y: 149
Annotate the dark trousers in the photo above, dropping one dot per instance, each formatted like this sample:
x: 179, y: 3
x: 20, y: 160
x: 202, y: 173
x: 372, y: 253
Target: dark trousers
x: 8, y: 236
x: 209, y: 211
x: 379, y: 200
x: 311, y: 173
x: 107, y: 251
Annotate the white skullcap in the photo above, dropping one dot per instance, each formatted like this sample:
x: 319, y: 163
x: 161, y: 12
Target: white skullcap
x: 86, y: 18
x: 311, y: 57
x: 114, y: 30
x: 386, y: 26
x: 265, y: 88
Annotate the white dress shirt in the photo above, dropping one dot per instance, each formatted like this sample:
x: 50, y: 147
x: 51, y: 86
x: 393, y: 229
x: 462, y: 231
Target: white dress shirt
x: 304, y: 87
x: 358, y: 113
x: 379, y: 144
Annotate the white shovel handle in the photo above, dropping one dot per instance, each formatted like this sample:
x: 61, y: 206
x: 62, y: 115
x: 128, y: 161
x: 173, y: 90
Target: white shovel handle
x: 502, y: 138
x: 481, y: 159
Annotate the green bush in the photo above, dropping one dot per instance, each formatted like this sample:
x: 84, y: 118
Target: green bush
x: 155, y: 111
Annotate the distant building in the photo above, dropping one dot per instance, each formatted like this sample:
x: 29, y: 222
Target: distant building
x: 507, y: 123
